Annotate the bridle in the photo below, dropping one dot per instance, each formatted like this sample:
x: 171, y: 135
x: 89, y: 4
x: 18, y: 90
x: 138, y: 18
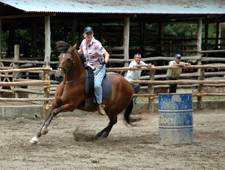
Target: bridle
x: 70, y: 64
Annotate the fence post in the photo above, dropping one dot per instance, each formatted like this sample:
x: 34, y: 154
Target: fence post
x: 46, y: 93
x: 16, y: 66
x: 151, y: 91
x: 200, y: 88
x: 200, y: 71
x: 47, y: 40
x: 126, y: 38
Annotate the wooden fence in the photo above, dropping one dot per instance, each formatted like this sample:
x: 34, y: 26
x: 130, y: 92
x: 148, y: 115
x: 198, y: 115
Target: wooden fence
x: 200, y: 81
x: 46, y: 83
x: 150, y: 82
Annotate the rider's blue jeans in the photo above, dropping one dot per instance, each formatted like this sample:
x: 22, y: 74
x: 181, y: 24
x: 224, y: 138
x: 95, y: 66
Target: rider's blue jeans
x: 98, y: 83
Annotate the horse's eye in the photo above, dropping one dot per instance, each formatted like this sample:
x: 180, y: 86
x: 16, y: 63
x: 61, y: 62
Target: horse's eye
x: 69, y: 59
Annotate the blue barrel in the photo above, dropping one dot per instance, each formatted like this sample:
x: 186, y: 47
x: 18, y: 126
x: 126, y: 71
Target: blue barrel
x: 175, y: 119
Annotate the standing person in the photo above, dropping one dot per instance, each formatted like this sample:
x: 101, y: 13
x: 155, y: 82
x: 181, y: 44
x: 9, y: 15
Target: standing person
x: 96, y: 58
x: 136, y: 74
x: 173, y: 74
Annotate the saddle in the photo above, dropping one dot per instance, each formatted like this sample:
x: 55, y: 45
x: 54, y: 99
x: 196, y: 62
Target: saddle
x: 89, y: 85
x: 89, y: 88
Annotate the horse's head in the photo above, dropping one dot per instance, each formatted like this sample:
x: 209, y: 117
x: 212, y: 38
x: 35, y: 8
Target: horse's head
x: 66, y: 59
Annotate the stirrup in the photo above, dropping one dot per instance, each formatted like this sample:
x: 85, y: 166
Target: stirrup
x: 102, y: 105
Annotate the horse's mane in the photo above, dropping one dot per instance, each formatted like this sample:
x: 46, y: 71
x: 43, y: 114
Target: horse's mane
x: 63, y: 47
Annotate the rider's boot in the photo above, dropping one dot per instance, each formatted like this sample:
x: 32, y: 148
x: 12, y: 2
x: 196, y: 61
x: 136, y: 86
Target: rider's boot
x: 101, y: 109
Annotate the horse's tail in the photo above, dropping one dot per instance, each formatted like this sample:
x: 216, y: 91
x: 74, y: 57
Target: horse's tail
x: 128, y: 111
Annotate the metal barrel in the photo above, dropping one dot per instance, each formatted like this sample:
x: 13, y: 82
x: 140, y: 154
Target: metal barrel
x: 175, y: 119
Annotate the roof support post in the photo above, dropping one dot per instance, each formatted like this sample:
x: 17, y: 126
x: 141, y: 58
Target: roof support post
x: 199, y: 37
x: 160, y: 36
x: 143, y: 37
x: 218, y: 35
x: 206, y: 34
x: 74, y: 31
x: 34, y: 39
x: 0, y: 38
x: 11, y: 41
x: 47, y: 40
x: 80, y: 32
x: 200, y: 71
x: 126, y: 38
x: 100, y: 31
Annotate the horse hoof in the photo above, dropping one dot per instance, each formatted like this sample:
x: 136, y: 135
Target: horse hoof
x: 45, y: 130
x: 96, y: 137
x: 34, y: 140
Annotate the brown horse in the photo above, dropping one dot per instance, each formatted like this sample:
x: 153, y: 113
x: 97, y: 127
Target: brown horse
x: 69, y: 96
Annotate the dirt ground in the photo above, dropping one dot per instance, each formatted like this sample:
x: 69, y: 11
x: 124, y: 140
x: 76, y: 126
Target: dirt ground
x: 69, y: 144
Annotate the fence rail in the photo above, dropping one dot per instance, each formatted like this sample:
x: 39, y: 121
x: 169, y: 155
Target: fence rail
x: 200, y: 82
x: 46, y: 84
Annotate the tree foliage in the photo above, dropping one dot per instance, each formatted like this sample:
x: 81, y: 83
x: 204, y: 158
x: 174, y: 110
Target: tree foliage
x: 181, y: 30
x: 23, y: 37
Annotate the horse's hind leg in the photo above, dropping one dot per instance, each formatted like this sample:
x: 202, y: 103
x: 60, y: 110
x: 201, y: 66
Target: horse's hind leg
x: 45, y: 127
x: 105, y: 132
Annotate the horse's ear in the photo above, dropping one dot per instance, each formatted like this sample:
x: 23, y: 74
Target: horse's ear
x: 74, y: 47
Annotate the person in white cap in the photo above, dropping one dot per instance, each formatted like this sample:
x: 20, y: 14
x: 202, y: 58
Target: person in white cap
x: 173, y: 74
x: 96, y: 58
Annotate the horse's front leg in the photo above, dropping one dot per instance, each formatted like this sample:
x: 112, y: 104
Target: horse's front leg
x: 45, y: 127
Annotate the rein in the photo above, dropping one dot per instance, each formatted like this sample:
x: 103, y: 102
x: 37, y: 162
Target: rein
x: 83, y: 77
x: 71, y: 63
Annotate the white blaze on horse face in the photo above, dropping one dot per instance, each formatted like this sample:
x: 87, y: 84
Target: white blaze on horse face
x: 64, y: 55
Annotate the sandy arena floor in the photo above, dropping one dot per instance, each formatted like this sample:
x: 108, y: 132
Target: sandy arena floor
x: 69, y: 144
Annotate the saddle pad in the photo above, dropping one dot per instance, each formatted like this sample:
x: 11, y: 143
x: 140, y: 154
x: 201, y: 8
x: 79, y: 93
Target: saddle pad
x: 106, y: 86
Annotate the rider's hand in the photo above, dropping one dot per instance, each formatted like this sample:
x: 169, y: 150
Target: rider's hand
x: 103, y: 62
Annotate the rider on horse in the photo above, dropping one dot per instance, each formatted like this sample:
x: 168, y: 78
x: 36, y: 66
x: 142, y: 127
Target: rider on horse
x: 96, y: 58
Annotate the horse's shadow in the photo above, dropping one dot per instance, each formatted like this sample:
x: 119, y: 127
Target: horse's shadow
x: 85, y: 135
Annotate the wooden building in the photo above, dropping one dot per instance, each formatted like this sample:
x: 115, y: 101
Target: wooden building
x: 120, y: 25
x: 124, y: 28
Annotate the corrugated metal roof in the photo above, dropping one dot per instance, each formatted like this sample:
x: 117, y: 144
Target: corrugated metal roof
x: 121, y: 6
